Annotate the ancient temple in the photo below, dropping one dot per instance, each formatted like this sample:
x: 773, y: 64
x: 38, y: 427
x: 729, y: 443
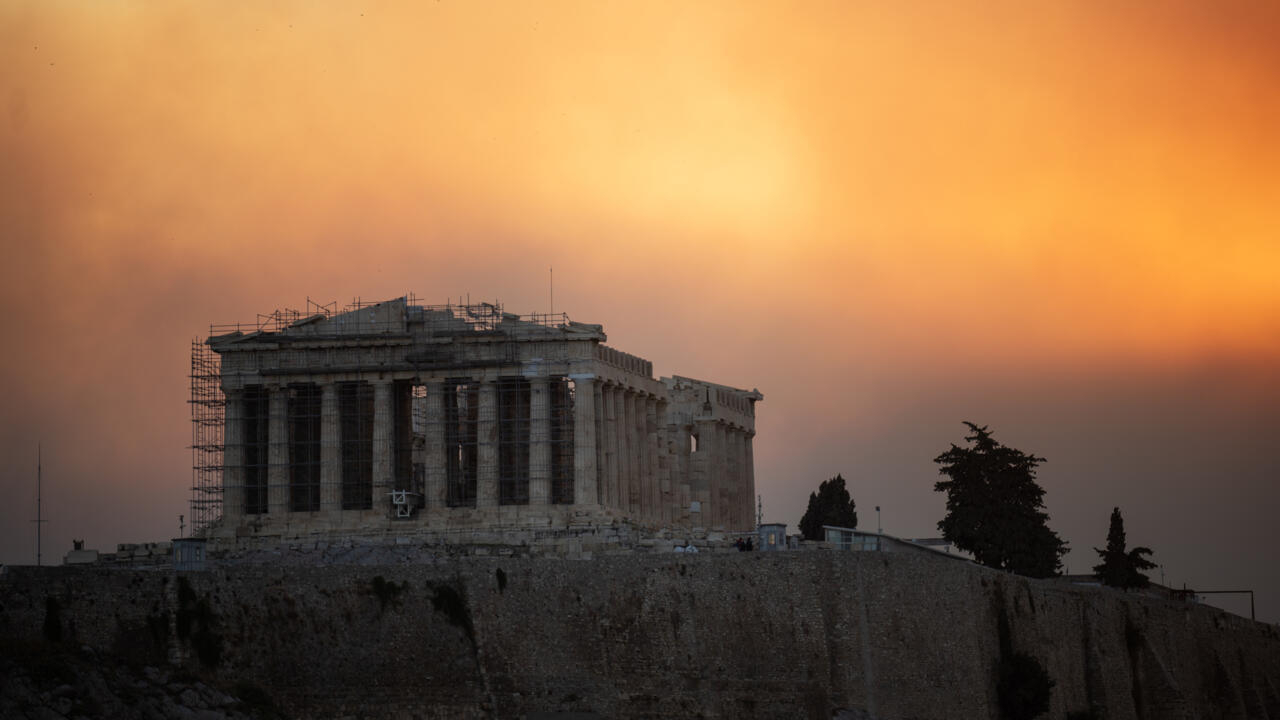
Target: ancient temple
x: 397, y: 414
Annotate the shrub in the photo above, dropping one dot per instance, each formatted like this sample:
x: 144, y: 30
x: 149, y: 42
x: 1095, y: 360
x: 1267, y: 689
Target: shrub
x: 1023, y: 687
x: 386, y: 592
x: 449, y: 601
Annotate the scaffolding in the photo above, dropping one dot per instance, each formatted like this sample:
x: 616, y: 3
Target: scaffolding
x: 288, y: 471
x: 464, y: 315
x: 207, y: 405
x: 462, y: 445
x: 562, y: 398
x: 255, y: 450
x: 514, y: 422
x: 355, y: 448
x: 303, y: 408
x: 279, y: 319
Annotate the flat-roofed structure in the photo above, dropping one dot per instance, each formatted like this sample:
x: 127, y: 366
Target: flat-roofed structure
x: 397, y: 414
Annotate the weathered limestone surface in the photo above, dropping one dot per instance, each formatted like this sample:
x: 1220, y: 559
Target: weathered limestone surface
x: 487, y: 430
x: 738, y: 635
x: 278, y: 472
x: 330, y: 458
x: 382, y: 470
x: 584, y: 430
x: 539, y: 442
x: 233, y: 472
x: 435, y: 474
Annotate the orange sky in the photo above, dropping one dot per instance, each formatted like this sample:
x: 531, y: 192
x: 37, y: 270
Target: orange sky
x: 1057, y: 218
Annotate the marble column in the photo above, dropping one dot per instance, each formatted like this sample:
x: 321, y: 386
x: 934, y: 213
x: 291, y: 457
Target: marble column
x: 682, y: 480
x: 744, y: 484
x: 598, y: 398
x: 584, y: 441
x: 652, y: 484
x: 436, y: 475
x: 233, y: 491
x: 642, y: 456
x: 612, y: 496
x: 278, y: 451
x: 383, y: 432
x: 664, y: 466
x: 539, y: 442
x: 330, y: 449
x: 721, y: 500
x: 620, y: 457
x: 631, y: 458
x: 747, y: 488
x: 738, y: 519
x: 731, y: 478
x: 487, y: 452
x: 703, y: 472
x: 623, y: 455
x: 749, y: 474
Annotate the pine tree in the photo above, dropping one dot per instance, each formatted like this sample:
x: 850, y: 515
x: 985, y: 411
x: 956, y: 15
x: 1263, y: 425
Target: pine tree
x: 1120, y: 568
x: 831, y: 505
x: 995, y: 509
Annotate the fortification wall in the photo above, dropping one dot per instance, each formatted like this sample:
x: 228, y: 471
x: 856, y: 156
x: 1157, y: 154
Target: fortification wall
x: 718, y: 635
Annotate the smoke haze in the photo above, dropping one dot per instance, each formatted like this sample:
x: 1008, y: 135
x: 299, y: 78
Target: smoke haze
x: 1055, y: 219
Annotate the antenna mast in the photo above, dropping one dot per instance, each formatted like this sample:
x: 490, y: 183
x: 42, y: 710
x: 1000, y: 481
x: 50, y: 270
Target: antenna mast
x: 39, y: 519
x: 551, y: 275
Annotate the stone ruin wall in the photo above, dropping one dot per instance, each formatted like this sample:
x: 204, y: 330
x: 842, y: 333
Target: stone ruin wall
x: 452, y: 419
x: 887, y: 636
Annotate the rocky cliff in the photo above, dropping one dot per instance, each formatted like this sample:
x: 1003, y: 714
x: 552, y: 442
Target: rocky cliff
x: 799, y: 634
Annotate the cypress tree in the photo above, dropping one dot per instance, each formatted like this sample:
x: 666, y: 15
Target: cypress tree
x: 831, y: 505
x: 1121, y: 568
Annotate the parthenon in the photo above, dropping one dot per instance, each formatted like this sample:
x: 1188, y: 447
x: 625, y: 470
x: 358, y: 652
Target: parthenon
x: 466, y: 416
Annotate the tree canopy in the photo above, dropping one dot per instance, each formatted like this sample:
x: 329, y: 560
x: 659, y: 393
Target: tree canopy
x: 1120, y: 568
x: 995, y: 508
x: 831, y: 505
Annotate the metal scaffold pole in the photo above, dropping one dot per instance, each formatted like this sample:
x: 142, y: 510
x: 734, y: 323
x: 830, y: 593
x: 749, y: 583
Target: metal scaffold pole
x: 207, y: 425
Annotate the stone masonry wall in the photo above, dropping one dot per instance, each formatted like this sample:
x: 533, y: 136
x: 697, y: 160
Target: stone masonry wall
x: 888, y: 636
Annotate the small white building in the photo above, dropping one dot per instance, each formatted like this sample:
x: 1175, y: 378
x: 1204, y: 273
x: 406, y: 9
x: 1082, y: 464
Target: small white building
x: 842, y: 538
x: 189, y: 553
x: 772, y: 536
x: 77, y: 555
